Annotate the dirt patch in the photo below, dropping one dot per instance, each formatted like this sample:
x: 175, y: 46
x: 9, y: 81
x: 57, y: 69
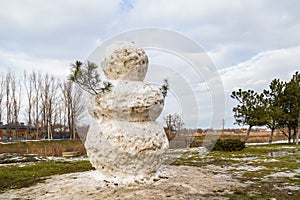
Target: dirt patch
x: 175, y: 182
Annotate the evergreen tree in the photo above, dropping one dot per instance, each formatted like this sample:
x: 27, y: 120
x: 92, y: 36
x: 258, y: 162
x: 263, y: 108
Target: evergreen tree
x: 272, y: 103
x: 250, y: 110
x: 291, y: 106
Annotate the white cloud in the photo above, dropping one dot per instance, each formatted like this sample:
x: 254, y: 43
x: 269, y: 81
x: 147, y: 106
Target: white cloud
x: 258, y: 72
x: 251, y: 42
x: 18, y: 62
x: 262, y: 68
x: 56, y: 29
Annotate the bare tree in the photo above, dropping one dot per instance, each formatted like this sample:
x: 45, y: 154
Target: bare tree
x: 73, y: 104
x: 28, y: 84
x: 8, y: 102
x: 56, y: 107
x: 52, y: 105
x: 49, y: 98
x: 16, y: 90
x: 2, y: 94
x: 68, y: 103
x: 45, y: 105
x: 37, y: 82
x: 174, y: 122
x: 49, y: 104
x: 77, y: 107
x: 59, y: 113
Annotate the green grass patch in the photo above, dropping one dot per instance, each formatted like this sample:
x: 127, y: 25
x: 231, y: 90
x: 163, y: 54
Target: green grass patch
x: 13, y: 177
x: 258, y: 156
x: 252, y: 156
x: 254, y: 165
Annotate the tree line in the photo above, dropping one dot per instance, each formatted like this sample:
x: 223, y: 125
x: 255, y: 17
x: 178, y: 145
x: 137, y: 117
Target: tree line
x: 47, y: 104
x: 277, y: 108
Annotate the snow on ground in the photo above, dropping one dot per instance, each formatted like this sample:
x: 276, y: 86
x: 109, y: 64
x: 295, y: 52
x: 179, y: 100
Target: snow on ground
x: 175, y: 182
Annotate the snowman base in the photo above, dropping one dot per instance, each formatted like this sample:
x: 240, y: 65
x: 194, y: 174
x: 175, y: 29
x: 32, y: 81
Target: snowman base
x: 126, y: 152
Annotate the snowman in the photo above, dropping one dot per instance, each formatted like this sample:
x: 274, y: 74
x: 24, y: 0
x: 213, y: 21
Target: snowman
x: 124, y: 143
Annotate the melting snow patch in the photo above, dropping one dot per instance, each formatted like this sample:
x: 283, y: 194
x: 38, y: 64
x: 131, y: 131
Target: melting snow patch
x: 297, y: 171
x: 282, y: 174
x: 294, y: 188
x: 245, y: 159
x: 250, y: 168
x: 269, y: 160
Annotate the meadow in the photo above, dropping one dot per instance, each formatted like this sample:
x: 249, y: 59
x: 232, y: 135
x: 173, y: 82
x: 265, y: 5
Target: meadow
x: 265, y: 171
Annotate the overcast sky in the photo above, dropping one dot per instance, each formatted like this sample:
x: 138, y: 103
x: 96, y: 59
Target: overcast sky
x: 249, y: 42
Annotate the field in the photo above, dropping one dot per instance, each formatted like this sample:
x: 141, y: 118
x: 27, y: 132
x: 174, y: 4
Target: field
x: 19, y: 176
x: 259, y: 172
x: 57, y: 147
x: 196, y: 140
x: 44, y: 147
x: 255, y: 137
x: 267, y: 171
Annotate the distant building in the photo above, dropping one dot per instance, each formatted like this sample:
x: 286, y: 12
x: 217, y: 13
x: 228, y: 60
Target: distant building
x: 20, y: 131
x: 13, y: 132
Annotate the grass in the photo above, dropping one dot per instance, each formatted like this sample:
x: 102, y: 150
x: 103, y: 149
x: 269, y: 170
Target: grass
x: 43, y: 147
x: 13, y: 177
x: 259, y: 183
x: 255, y: 137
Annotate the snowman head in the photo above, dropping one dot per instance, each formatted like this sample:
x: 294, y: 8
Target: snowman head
x: 124, y: 61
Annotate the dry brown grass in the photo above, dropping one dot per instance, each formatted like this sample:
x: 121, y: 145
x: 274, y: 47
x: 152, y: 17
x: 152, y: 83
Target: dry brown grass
x: 57, y: 147
x: 44, y: 148
x: 255, y: 137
